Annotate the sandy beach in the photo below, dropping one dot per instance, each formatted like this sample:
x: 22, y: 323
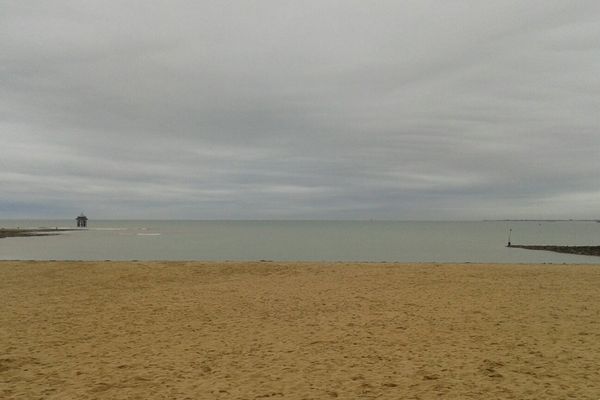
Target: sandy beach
x: 137, y: 330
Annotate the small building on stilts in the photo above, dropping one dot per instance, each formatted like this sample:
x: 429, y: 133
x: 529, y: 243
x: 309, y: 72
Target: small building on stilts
x: 82, y: 221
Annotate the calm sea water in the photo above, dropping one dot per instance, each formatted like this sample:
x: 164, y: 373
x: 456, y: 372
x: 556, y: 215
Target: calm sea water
x: 303, y: 240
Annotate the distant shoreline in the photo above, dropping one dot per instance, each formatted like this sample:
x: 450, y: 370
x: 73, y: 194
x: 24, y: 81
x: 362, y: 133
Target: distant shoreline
x: 541, y: 220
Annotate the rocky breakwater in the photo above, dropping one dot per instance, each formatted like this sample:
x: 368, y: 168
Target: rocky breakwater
x: 580, y: 250
x: 28, y: 232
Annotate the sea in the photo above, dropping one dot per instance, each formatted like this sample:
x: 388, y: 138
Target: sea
x: 370, y: 241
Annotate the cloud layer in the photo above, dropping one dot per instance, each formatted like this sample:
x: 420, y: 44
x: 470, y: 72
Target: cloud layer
x: 286, y: 109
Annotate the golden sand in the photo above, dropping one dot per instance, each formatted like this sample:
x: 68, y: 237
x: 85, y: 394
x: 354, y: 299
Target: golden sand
x: 109, y: 330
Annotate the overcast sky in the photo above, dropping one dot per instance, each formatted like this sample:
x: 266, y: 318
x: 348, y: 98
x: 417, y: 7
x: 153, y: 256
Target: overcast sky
x: 300, y: 109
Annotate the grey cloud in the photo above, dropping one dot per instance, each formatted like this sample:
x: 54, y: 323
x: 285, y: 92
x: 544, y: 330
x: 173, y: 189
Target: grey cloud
x: 276, y: 109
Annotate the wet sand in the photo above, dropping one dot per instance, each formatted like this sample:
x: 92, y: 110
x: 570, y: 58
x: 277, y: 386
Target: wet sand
x: 112, y: 330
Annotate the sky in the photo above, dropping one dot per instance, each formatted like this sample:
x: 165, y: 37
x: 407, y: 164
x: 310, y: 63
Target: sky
x: 276, y: 109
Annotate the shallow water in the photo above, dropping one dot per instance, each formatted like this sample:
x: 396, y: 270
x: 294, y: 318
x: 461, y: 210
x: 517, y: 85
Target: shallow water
x: 483, y: 241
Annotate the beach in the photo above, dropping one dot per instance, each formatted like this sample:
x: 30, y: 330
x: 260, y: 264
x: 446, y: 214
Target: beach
x: 255, y: 330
